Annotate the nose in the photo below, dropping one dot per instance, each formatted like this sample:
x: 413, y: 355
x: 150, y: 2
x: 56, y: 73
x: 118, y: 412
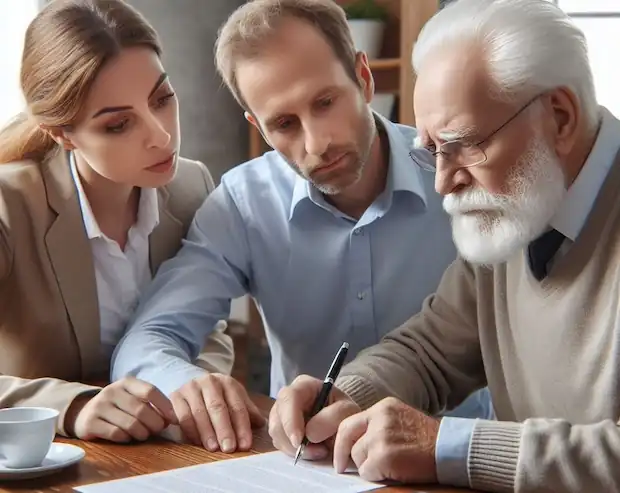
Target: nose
x: 449, y: 179
x: 317, y: 139
x: 157, y: 134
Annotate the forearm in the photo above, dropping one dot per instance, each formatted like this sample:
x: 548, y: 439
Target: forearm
x: 42, y: 392
x: 190, y: 294
x: 431, y: 363
x: 217, y: 356
x: 155, y: 357
x: 545, y: 455
x: 386, y: 370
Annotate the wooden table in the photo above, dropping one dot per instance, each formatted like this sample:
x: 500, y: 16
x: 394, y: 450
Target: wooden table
x: 106, y: 461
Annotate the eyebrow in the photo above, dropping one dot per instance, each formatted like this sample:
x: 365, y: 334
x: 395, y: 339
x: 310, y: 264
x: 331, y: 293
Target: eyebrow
x: 458, y: 134
x: 417, y: 142
x: 114, y: 109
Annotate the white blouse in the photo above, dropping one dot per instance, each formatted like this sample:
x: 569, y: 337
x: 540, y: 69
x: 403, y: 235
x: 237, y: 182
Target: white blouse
x: 121, y: 276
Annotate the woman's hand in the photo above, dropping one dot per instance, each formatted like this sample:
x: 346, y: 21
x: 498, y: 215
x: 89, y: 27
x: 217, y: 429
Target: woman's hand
x: 122, y: 411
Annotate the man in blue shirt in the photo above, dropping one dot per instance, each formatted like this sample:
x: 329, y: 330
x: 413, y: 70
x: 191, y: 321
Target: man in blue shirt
x: 336, y: 234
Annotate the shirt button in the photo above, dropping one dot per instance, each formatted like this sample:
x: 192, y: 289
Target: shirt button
x: 358, y: 231
x: 361, y: 295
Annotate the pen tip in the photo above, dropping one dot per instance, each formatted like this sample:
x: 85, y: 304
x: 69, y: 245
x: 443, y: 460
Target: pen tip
x: 297, y: 456
x: 345, y: 345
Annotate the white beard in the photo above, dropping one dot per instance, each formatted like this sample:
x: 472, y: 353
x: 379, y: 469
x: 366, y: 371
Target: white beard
x: 498, y: 226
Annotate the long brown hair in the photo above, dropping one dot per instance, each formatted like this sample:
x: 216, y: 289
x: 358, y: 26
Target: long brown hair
x: 65, y: 46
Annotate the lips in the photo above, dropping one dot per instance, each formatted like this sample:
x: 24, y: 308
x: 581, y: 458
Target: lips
x: 164, y: 162
x: 332, y: 164
x: 163, y: 167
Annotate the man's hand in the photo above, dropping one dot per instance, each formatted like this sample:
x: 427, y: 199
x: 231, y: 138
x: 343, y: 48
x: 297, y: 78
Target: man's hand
x: 389, y: 441
x: 215, y: 411
x: 287, y: 425
x: 122, y: 411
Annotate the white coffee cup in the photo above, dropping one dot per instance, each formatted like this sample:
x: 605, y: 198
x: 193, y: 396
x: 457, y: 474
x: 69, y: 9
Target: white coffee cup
x: 26, y: 435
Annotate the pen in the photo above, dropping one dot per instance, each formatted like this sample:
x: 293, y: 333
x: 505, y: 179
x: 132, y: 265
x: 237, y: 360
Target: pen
x: 328, y: 383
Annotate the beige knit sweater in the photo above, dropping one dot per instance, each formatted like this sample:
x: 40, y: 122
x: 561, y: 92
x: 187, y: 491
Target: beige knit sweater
x: 549, y: 351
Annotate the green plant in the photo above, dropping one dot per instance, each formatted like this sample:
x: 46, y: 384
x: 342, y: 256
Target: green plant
x: 365, y: 9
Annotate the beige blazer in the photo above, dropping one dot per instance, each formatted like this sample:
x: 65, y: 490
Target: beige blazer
x: 49, y: 314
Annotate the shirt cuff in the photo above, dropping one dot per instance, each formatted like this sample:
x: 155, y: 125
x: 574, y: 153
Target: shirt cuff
x: 173, y: 377
x: 452, y: 451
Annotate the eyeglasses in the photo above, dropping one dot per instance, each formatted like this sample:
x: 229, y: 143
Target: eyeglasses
x: 458, y: 153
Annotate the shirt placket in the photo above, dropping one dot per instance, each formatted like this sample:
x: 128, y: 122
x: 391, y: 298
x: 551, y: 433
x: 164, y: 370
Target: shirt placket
x: 360, y: 287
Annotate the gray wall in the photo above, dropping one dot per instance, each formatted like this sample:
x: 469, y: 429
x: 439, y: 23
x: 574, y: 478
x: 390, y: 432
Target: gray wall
x: 212, y: 124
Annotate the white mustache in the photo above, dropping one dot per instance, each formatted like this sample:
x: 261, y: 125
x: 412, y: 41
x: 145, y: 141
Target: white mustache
x: 476, y: 200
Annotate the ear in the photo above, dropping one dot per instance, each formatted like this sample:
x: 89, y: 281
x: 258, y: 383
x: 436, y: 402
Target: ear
x: 364, y: 76
x: 250, y: 118
x: 60, y: 135
x: 567, y: 119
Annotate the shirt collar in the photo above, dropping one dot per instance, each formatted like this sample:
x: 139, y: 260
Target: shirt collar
x: 403, y: 175
x: 580, y: 197
x: 148, y: 209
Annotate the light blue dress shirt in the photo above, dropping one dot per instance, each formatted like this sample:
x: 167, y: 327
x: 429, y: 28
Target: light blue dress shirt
x: 453, y: 441
x: 318, y: 276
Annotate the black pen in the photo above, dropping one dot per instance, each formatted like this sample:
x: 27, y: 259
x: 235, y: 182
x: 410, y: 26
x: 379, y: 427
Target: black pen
x: 328, y: 383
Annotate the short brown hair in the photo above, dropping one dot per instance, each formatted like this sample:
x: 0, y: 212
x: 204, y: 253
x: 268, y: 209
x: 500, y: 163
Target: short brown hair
x: 241, y: 36
x: 65, y: 47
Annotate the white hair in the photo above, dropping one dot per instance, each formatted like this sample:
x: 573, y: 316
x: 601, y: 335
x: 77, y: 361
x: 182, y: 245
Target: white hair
x: 530, y: 46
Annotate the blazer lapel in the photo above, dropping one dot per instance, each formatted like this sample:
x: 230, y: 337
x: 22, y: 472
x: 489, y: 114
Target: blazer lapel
x: 71, y: 257
x: 165, y: 238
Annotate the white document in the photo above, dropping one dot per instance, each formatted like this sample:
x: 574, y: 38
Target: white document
x: 273, y: 472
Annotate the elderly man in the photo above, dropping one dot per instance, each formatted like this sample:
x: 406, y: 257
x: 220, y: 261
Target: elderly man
x: 529, y: 166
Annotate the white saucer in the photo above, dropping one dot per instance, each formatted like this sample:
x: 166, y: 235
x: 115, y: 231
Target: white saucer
x: 60, y: 455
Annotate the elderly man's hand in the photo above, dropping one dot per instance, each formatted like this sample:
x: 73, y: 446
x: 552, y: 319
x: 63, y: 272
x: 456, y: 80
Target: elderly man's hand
x: 389, y: 441
x: 287, y: 419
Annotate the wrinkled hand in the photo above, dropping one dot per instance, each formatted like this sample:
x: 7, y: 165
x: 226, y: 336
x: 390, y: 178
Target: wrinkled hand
x: 215, y: 411
x: 389, y: 441
x: 287, y: 423
x: 122, y: 411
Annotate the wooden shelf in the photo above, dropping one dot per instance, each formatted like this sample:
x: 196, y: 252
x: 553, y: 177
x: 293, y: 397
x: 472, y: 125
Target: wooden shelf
x: 385, y: 64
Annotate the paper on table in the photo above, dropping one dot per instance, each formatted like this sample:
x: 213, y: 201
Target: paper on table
x: 273, y: 472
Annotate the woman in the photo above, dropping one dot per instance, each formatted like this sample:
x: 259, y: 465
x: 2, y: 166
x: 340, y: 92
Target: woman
x: 93, y: 197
